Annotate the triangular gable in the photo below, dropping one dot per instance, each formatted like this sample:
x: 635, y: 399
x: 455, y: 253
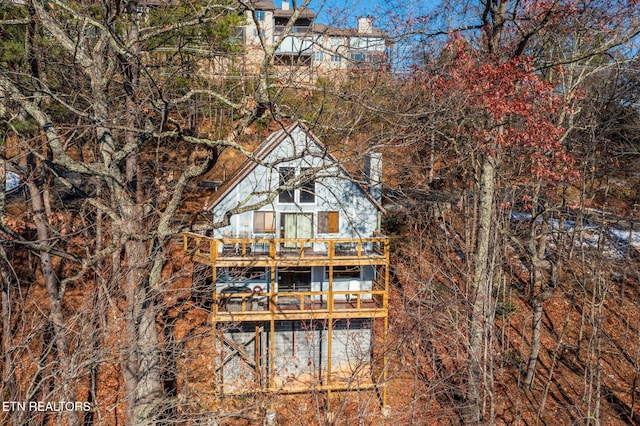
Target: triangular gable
x: 263, y: 150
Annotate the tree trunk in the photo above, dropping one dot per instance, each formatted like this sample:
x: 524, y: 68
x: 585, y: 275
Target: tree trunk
x: 537, y: 247
x: 142, y: 361
x: 8, y: 379
x: 132, y: 168
x: 141, y: 305
x: 480, y: 292
x: 56, y: 315
x: 536, y: 331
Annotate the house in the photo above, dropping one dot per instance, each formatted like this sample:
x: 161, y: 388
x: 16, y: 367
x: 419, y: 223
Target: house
x: 312, y: 49
x: 299, y: 270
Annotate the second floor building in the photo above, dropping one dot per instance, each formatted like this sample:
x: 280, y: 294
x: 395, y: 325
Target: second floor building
x: 312, y: 49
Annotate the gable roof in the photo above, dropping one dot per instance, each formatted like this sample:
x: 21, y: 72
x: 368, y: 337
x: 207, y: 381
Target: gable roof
x: 263, y: 150
x: 263, y: 5
x: 346, y: 32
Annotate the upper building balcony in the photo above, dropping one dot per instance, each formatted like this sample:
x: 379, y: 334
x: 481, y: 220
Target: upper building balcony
x: 261, y: 298
x: 287, y: 251
x: 296, y: 29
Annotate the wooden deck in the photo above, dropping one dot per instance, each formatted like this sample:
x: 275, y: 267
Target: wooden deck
x: 286, y: 251
x: 299, y: 306
x: 272, y: 306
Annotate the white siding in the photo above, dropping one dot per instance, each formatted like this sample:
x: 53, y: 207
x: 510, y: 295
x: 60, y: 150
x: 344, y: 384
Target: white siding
x: 335, y: 191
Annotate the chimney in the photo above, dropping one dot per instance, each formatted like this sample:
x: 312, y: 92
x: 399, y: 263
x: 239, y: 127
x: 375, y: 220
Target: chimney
x: 373, y: 174
x: 285, y: 5
x: 365, y: 25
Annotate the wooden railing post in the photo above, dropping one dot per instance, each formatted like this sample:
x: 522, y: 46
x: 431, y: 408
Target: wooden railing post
x: 272, y: 248
x: 214, y: 280
x: 213, y: 251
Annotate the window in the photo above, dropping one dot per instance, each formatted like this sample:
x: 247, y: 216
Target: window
x: 358, y: 57
x: 260, y: 15
x: 306, y: 183
x: 239, y: 275
x: 286, y: 174
x: 234, y: 276
x: 349, y: 272
x: 318, y: 56
x: 308, y: 190
x: 336, y: 58
x: 264, y: 222
x: 237, y: 35
x: 294, y: 279
x: 328, y: 222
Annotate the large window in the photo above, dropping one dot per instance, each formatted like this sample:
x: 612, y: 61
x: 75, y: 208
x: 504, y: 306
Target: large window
x: 306, y: 183
x: 286, y: 174
x: 236, y: 276
x: 308, y: 191
x: 294, y: 279
x: 264, y: 222
x: 344, y: 272
x: 328, y: 222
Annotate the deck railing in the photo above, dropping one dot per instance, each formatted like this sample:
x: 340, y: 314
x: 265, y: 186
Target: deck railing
x: 209, y: 250
x: 247, y: 302
x: 296, y: 29
x: 300, y: 301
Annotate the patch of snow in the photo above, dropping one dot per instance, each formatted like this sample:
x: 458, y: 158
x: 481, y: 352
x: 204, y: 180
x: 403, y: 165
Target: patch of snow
x: 12, y: 181
x: 623, y: 235
x: 520, y: 216
x: 612, y: 242
x: 610, y: 247
x: 592, y: 210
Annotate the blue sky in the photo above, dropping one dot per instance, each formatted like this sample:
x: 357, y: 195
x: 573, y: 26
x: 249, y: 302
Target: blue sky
x: 344, y: 13
x: 351, y: 9
x: 355, y: 7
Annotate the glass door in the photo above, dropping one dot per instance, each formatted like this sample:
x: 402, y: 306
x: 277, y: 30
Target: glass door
x: 298, y: 226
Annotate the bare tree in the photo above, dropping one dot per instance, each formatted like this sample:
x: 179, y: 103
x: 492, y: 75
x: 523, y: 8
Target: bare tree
x: 106, y: 107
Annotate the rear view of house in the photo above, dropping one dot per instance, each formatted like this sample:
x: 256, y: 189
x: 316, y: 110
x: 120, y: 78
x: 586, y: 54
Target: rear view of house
x: 299, y: 270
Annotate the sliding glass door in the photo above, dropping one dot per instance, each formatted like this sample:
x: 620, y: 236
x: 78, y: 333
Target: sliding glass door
x: 297, y: 225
